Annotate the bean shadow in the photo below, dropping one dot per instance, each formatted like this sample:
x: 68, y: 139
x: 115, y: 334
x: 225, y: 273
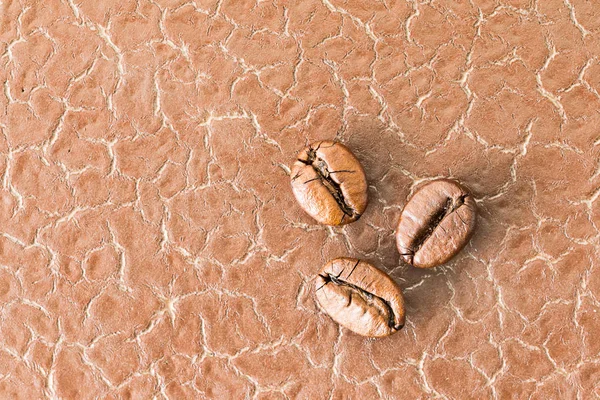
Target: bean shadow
x: 389, y: 164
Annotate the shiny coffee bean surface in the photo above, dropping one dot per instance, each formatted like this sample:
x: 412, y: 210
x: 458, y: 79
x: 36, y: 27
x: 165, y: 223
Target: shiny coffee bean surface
x: 329, y: 183
x: 360, y: 297
x: 436, y: 223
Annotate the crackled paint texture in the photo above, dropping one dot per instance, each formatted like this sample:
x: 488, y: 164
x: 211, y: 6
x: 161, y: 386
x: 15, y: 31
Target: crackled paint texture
x: 150, y: 244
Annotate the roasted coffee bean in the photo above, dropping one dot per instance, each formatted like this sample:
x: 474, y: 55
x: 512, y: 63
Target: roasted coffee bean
x: 436, y: 223
x: 360, y: 297
x: 329, y: 183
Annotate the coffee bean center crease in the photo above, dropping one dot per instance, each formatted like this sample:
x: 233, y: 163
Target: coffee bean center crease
x: 322, y: 170
x: 452, y: 204
x: 379, y: 303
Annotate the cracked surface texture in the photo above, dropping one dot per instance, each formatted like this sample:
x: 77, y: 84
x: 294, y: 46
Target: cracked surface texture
x: 150, y: 244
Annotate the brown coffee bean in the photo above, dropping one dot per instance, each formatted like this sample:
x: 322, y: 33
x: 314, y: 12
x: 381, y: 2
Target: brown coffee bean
x: 329, y: 183
x: 360, y: 297
x: 436, y: 223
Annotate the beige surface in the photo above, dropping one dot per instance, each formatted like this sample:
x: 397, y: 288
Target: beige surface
x: 150, y: 243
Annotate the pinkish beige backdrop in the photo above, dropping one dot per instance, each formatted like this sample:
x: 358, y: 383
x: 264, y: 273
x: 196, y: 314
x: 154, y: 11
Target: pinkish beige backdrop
x: 151, y: 247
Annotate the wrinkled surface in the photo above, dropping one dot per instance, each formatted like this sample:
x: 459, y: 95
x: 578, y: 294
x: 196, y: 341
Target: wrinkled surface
x: 436, y: 223
x: 329, y: 183
x: 360, y: 297
x: 150, y: 243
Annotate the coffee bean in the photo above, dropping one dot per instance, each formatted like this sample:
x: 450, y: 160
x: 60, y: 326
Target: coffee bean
x: 360, y: 297
x: 436, y: 223
x: 329, y: 183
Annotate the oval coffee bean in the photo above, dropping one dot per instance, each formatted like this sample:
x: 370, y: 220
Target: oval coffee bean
x: 436, y: 223
x: 360, y: 297
x: 329, y: 183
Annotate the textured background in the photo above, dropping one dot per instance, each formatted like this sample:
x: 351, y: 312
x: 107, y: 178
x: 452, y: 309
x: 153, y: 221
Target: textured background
x: 150, y: 244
